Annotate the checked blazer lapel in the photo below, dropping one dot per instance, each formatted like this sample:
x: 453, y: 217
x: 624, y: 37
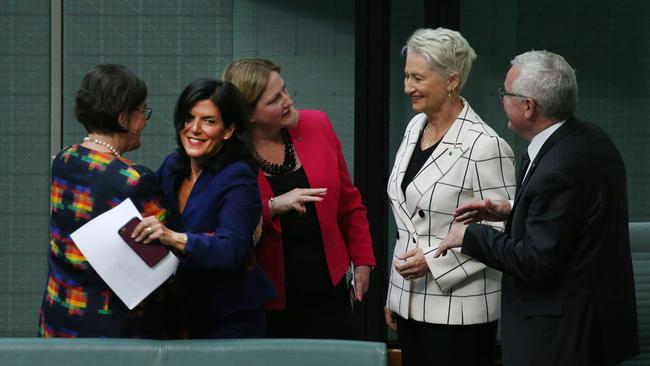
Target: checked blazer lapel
x: 395, y: 182
x: 451, y: 148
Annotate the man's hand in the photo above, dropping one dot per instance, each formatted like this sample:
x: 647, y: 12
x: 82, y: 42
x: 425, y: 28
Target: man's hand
x: 454, y: 239
x: 412, y: 265
x: 485, y: 210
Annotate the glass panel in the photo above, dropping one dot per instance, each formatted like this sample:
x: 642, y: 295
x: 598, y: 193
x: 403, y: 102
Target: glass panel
x: 25, y: 163
x: 168, y: 44
x: 611, y: 67
x: 313, y: 42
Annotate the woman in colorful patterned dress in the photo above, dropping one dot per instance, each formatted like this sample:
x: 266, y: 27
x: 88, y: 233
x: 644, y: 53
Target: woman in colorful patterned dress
x: 87, y: 180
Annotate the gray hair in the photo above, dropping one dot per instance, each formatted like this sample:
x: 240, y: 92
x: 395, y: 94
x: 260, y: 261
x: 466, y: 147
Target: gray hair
x: 549, y: 80
x: 445, y: 50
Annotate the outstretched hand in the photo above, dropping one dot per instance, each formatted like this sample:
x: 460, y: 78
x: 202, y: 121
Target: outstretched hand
x: 295, y: 199
x: 484, y: 210
x: 454, y: 239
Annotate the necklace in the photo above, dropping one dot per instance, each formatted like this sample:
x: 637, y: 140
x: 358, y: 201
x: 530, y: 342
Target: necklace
x: 438, y: 135
x: 289, y: 162
x: 105, y: 144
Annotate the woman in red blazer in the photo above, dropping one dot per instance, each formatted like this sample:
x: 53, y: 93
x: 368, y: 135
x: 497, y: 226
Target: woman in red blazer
x: 314, y: 224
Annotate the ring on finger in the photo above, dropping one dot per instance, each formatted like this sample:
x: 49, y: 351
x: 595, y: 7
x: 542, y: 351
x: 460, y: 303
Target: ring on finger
x: 149, y: 230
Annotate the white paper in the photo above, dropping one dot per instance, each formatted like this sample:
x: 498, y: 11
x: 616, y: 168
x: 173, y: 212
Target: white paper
x: 113, y: 259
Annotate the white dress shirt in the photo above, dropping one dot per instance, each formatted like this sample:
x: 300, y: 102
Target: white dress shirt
x: 538, y: 141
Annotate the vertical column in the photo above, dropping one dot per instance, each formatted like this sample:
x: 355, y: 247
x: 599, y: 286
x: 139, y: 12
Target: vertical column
x: 56, y: 76
x: 371, y: 150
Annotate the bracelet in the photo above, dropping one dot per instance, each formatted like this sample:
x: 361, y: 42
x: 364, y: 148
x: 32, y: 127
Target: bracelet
x: 271, y: 204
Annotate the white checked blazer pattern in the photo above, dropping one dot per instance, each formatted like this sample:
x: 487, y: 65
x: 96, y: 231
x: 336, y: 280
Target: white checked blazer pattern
x: 471, y: 162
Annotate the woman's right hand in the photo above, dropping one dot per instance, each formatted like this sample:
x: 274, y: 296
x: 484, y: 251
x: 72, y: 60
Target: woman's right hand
x: 150, y: 229
x: 295, y: 199
x: 390, y: 318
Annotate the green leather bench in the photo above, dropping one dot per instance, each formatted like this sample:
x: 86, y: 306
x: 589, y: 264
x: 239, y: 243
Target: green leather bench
x: 132, y: 352
x: 640, y: 246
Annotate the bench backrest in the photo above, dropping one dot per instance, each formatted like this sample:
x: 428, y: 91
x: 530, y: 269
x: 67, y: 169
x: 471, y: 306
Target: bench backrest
x: 132, y: 352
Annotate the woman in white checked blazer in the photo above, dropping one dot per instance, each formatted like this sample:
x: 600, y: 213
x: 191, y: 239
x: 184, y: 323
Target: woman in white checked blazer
x: 444, y: 309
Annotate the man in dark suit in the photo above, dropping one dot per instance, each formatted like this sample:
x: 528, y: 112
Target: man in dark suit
x: 568, y: 290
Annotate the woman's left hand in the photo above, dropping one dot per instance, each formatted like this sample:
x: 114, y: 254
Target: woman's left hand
x: 412, y: 264
x: 361, y: 281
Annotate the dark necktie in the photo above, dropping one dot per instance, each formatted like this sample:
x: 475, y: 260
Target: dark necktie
x: 523, y: 165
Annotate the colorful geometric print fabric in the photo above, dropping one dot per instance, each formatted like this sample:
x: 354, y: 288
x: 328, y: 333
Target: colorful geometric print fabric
x: 77, y: 303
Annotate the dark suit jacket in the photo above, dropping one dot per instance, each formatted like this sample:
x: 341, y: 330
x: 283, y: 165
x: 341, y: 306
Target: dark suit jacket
x: 568, y: 290
x: 219, y: 218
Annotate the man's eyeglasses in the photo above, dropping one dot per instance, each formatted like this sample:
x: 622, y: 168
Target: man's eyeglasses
x: 147, y: 112
x: 502, y: 93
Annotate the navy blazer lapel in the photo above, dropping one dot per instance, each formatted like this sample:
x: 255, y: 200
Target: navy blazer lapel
x: 569, y: 126
x: 204, y: 182
x: 169, y: 182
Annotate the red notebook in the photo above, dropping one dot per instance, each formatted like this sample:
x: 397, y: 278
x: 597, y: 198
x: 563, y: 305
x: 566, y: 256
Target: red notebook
x: 151, y: 253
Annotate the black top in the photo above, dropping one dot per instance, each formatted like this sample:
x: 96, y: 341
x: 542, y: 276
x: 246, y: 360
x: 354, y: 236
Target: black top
x: 418, y: 159
x: 305, y: 266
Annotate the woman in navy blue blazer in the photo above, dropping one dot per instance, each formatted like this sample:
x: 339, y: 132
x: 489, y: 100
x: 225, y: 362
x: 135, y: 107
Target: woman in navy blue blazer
x: 210, y: 183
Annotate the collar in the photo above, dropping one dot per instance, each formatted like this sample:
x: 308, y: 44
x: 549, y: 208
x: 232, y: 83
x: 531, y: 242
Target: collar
x: 538, y: 141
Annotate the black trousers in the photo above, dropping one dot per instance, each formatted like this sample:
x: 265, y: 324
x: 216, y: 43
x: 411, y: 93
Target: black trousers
x: 425, y: 344
x: 319, y: 316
